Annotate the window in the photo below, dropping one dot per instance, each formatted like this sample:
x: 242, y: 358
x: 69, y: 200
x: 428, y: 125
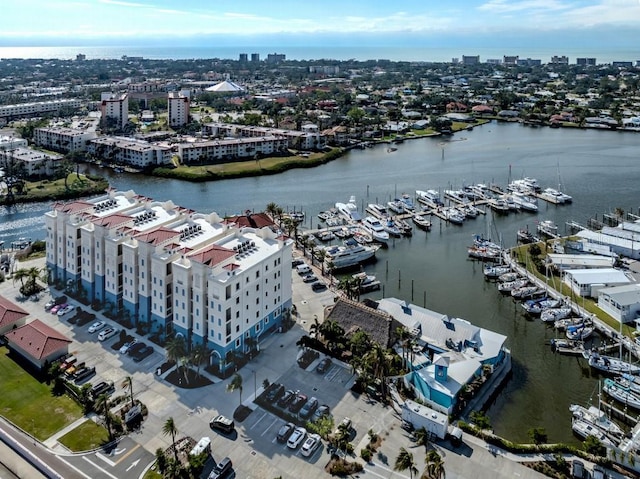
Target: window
x: 237, y: 328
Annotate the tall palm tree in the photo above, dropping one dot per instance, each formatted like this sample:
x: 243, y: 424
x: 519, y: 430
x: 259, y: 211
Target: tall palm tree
x: 21, y: 275
x: 235, y: 385
x: 169, y: 429
x: 271, y: 209
x: 128, y: 383
x: 435, y: 465
x: 422, y: 437
x: 405, y: 461
x: 102, y: 403
x: 175, y: 348
x: 199, y: 355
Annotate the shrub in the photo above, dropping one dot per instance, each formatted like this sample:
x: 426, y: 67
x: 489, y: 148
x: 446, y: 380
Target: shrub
x: 366, y: 454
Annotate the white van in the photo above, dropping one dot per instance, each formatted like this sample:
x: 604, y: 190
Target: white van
x: 303, y: 269
x: 204, y: 445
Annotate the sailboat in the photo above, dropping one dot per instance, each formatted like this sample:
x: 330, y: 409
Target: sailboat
x: 597, y: 417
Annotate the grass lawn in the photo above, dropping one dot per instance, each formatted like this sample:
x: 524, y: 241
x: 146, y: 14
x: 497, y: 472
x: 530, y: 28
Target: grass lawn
x: 46, y: 190
x: 86, y: 436
x: 151, y: 474
x: 29, y: 404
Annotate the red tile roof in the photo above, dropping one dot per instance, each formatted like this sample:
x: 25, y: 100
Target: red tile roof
x: 37, y: 339
x: 113, y: 220
x: 212, y: 255
x: 74, y: 206
x: 10, y: 313
x: 158, y: 236
x: 252, y: 220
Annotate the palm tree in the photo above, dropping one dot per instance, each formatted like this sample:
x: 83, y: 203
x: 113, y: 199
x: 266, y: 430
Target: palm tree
x: 314, y: 329
x: 405, y: 461
x: 199, y: 356
x: 235, y: 384
x: 422, y: 437
x: 271, y: 209
x: 342, y: 436
x: 435, y: 465
x: 20, y: 274
x: 332, y: 333
x: 169, y: 429
x: 102, y: 402
x: 128, y: 383
x: 175, y: 348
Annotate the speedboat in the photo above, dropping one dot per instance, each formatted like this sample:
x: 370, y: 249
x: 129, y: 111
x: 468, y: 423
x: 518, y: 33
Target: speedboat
x: 374, y: 227
x: 349, y: 210
x: 499, y: 205
x: 366, y: 282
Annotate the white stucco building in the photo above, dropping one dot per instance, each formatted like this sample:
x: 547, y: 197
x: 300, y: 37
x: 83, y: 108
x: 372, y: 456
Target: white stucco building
x: 116, y: 106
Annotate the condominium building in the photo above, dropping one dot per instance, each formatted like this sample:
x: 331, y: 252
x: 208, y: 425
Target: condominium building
x: 11, y: 143
x: 230, y: 149
x: 222, y: 284
x: 302, y: 140
x: 63, y: 140
x: 178, y: 106
x: 115, y: 106
x: 32, y: 162
x: 129, y: 151
x: 23, y: 110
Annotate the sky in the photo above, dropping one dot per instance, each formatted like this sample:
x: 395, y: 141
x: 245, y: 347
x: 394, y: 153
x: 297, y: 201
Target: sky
x: 78, y: 22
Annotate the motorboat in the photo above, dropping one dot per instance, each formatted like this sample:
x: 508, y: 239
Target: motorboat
x: 421, y: 222
x: 392, y: 228
x: 349, y: 210
x: 377, y: 210
x: 611, y: 365
x: 513, y: 206
x: 625, y: 396
x: 547, y: 228
x: 405, y: 228
x: 457, y: 196
x: 396, y: 205
x: 598, y: 418
x: 374, y: 227
x: 469, y: 210
x: 325, y: 236
x: 366, y: 282
x: 351, y: 254
x: 430, y: 198
x: 551, y: 315
x: 499, y: 205
x: 409, y: 206
x: 452, y: 215
x: 526, y: 237
x: 525, y: 202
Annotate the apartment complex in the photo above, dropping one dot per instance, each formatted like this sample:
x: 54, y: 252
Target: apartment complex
x: 11, y: 143
x: 230, y: 149
x: 62, y: 139
x: 178, y: 107
x: 130, y: 151
x: 116, y: 106
x: 300, y: 140
x: 219, y: 283
x: 25, y: 110
x: 34, y: 163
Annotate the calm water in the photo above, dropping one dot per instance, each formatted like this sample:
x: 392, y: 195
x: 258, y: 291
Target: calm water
x: 599, y: 169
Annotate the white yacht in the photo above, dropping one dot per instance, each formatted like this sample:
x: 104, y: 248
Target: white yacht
x: 374, y: 227
x: 430, y: 198
x: 349, y: 210
x: 377, y: 210
x: 453, y: 215
x: 547, y: 228
x: 556, y: 197
x: 397, y: 206
x: 351, y: 254
x: 526, y: 202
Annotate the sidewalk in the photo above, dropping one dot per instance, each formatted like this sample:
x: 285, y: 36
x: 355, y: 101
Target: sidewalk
x: 52, y: 442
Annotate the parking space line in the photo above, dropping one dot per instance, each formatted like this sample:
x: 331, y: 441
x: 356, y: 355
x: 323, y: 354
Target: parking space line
x: 98, y: 467
x: 275, y: 420
x: 258, y: 421
x: 335, y: 370
x: 73, y: 467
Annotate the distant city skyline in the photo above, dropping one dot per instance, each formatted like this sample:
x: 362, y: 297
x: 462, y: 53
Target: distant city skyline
x: 465, y: 23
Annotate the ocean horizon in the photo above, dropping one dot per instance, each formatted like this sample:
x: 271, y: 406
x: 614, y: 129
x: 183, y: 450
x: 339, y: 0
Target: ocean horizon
x: 300, y: 53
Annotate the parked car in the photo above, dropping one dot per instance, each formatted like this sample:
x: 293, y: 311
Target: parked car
x: 49, y: 304
x: 222, y: 469
x: 101, y: 388
x: 310, y: 278
x: 222, y: 423
x: 97, y: 326
x: 346, y: 422
x: 124, y: 349
x: 286, y: 398
x: 141, y: 353
x: 322, y: 411
x: 82, y: 374
x: 319, y: 286
x: 68, y: 361
x: 296, y: 262
x: 134, y: 348
x: 310, y: 445
x: 577, y: 469
x: 297, y: 403
x: 274, y: 392
x: 67, y: 309
x: 285, y: 431
x: 70, y: 371
x: 309, y: 408
x: 323, y: 365
x: 58, y: 307
x: 296, y: 438
x: 107, y: 333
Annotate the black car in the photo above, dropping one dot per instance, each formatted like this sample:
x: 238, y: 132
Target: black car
x: 323, y: 365
x: 135, y: 348
x: 297, y: 403
x: 274, y: 392
x: 296, y: 262
x: 82, y: 374
x: 141, y: 353
x: 285, y: 431
x: 286, y: 398
x: 318, y: 286
x: 308, y: 409
x: 102, y: 387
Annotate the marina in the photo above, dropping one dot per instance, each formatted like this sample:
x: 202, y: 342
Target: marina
x: 432, y: 268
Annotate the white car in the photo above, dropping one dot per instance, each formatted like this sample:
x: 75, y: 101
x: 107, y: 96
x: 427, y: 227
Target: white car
x: 67, y: 309
x: 310, y: 445
x: 106, y: 334
x: 126, y: 346
x: 296, y: 437
x: 97, y: 326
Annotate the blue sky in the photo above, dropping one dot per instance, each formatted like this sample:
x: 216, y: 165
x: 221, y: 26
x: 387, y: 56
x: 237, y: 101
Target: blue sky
x: 74, y: 21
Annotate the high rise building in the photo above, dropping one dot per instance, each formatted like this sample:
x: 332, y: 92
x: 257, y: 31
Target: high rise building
x: 116, y: 106
x: 178, y: 107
